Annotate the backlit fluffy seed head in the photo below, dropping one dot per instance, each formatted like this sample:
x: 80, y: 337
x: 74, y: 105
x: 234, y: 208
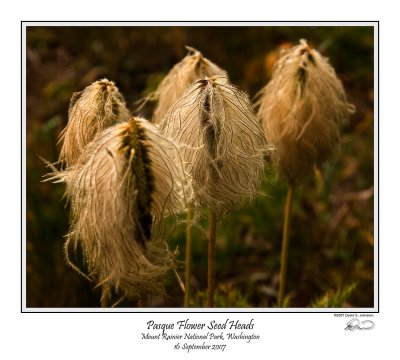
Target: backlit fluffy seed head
x: 92, y: 110
x: 193, y: 67
x: 301, y: 109
x: 126, y: 179
x: 222, y: 143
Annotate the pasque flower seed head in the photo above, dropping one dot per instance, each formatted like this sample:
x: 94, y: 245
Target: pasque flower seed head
x: 221, y: 142
x: 97, y: 107
x: 191, y: 68
x: 301, y: 109
x: 124, y: 182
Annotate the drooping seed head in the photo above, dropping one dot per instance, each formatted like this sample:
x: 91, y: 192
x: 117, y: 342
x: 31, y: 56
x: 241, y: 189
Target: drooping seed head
x: 97, y: 107
x: 222, y: 143
x: 123, y: 184
x: 302, y: 108
x: 193, y: 67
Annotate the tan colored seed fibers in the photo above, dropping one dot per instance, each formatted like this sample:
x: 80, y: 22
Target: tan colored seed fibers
x: 97, y: 107
x: 222, y: 143
x: 302, y: 109
x: 126, y: 171
x: 193, y: 67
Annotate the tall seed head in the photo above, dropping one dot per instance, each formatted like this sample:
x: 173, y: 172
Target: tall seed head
x: 222, y: 143
x: 92, y: 110
x: 124, y: 182
x: 193, y: 67
x: 301, y: 109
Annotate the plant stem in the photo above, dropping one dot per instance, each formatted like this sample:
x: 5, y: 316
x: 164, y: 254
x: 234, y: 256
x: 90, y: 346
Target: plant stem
x: 285, y: 245
x: 104, y: 295
x: 211, y: 258
x: 188, y: 256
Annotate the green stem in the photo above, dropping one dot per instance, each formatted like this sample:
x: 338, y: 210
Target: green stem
x: 211, y: 259
x: 285, y: 245
x: 188, y: 256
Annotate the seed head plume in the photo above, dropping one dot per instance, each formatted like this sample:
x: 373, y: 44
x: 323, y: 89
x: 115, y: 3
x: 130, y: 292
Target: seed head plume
x: 97, y: 107
x: 222, y: 143
x: 193, y: 67
x: 301, y: 109
x: 126, y: 179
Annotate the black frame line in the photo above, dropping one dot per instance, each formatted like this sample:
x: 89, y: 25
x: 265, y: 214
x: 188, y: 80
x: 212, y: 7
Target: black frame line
x: 376, y: 199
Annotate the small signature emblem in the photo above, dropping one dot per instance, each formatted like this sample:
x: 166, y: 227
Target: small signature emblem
x: 355, y: 324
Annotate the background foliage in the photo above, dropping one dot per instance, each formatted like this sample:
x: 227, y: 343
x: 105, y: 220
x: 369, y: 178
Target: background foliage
x: 331, y: 255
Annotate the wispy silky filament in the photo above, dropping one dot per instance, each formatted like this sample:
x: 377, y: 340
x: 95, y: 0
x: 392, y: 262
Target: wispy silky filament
x: 222, y: 143
x: 211, y: 131
x: 92, y: 110
x: 193, y: 67
x: 125, y: 181
x: 132, y: 145
x: 301, y: 109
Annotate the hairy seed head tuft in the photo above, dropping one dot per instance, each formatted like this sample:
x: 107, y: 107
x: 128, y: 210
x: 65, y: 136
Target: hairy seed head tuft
x: 193, y: 67
x: 222, y: 143
x: 125, y: 181
x: 97, y: 107
x: 302, y: 108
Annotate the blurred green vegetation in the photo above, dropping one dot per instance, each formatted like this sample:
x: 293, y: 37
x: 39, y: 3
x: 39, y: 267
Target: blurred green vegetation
x: 332, y: 236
